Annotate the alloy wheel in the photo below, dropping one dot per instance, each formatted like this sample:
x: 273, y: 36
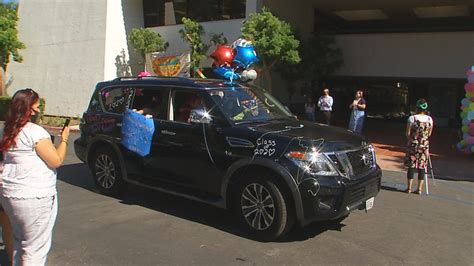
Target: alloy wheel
x: 258, y: 207
x: 105, y: 171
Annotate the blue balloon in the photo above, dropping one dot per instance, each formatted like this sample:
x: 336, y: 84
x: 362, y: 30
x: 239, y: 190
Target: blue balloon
x: 245, y: 56
x: 226, y: 73
x: 470, y: 115
x: 465, y: 102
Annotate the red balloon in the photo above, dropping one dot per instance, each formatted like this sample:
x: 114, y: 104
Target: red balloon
x: 223, y: 55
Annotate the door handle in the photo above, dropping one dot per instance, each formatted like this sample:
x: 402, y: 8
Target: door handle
x: 166, y: 132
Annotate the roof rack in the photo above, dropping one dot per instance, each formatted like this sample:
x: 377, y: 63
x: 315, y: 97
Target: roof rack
x: 148, y: 77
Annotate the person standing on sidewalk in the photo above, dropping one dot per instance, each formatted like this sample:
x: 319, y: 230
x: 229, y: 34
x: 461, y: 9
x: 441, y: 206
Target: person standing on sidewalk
x: 309, y: 109
x: 358, y: 105
x: 28, y: 186
x: 418, y: 130
x: 325, y: 106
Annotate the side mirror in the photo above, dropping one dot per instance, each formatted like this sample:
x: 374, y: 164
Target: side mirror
x: 199, y: 116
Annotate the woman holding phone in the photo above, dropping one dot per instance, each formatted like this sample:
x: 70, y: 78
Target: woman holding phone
x: 28, y: 185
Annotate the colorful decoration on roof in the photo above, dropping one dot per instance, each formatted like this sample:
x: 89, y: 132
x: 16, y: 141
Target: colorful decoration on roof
x: 466, y: 145
x: 234, y: 62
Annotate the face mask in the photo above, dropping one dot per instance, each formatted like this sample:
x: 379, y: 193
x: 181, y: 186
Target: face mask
x: 35, y: 118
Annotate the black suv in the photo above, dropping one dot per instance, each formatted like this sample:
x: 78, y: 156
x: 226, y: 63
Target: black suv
x: 231, y: 145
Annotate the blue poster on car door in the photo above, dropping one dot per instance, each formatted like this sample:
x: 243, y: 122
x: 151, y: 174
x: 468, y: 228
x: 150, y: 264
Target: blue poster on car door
x: 137, y: 132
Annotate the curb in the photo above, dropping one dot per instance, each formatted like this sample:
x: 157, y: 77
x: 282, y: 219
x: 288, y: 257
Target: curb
x: 440, y: 177
x: 71, y: 128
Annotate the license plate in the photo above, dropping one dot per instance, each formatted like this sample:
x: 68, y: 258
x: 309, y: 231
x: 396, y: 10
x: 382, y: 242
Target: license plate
x: 369, y: 204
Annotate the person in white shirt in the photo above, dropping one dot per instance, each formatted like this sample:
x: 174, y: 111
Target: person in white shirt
x: 325, y: 106
x: 28, y: 181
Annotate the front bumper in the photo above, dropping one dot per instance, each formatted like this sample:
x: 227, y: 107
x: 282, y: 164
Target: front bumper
x: 328, y: 198
x: 80, y: 149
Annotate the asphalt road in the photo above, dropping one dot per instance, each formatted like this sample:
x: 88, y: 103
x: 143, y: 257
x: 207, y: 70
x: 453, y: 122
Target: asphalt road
x: 145, y: 227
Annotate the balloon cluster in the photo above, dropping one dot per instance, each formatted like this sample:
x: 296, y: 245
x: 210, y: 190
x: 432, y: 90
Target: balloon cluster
x: 466, y: 145
x: 234, y: 62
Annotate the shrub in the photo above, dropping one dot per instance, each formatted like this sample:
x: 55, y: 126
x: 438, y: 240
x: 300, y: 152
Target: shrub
x: 5, y: 102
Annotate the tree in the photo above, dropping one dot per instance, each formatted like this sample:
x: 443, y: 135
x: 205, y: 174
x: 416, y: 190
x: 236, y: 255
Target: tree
x: 273, y: 40
x: 146, y: 41
x: 320, y: 58
x: 192, y: 33
x: 9, y: 42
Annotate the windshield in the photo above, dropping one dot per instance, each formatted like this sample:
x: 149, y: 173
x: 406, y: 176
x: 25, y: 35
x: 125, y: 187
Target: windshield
x: 248, y: 104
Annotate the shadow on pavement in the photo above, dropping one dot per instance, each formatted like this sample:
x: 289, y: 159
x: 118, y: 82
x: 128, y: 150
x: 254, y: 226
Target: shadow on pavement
x: 78, y: 175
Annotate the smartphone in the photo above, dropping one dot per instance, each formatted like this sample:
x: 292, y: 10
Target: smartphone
x: 66, y: 124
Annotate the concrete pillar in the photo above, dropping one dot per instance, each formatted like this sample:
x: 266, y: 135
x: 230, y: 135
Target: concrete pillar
x: 252, y: 6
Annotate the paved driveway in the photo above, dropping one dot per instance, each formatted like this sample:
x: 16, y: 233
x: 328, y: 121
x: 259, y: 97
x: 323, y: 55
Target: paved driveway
x: 145, y: 227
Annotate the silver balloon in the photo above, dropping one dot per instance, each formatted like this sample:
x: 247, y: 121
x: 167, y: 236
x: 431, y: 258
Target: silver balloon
x: 243, y: 76
x: 251, y: 74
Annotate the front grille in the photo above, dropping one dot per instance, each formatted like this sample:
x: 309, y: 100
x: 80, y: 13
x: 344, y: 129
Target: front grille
x: 359, y: 192
x: 361, y: 160
x: 354, y: 163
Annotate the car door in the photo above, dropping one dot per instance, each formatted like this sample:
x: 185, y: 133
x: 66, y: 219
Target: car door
x: 183, y: 151
x: 113, y: 103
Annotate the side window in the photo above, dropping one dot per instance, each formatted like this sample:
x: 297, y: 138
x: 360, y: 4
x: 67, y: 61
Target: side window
x: 116, y: 100
x: 152, y: 101
x: 183, y: 103
x: 94, y: 105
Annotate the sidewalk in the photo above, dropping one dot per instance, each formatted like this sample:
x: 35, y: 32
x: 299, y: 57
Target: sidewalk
x: 389, y: 141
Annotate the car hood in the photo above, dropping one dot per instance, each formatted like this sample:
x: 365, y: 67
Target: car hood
x: 325, y: 138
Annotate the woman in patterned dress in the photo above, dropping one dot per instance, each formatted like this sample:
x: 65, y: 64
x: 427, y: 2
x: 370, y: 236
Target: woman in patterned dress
x: 419, y: 129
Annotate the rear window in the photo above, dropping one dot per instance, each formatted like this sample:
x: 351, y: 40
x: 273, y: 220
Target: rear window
x: 151, y: 101
x: 116, y: 100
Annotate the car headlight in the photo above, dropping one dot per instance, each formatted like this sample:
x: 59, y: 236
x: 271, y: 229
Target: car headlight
x: 313, y: 162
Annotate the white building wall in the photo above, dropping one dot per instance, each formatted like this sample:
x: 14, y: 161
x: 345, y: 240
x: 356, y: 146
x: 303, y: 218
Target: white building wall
x: 64, y: 55
x: 422, y: 55
x: 116, y: 60
x: 120, y: 57
x: 132, y: 11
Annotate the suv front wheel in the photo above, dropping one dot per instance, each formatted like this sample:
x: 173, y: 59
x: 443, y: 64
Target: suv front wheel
x: 263, y: 208
x: 106, y: 172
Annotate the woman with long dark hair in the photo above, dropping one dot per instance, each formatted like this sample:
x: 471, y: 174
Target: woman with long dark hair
x: 418, y: 131
x: 358, y: 105
x: 28, y: 186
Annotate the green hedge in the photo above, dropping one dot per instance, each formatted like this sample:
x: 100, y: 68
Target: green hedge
x: 5, y: 103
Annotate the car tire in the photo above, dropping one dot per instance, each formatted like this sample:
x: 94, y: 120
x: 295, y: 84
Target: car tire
x: 107, y: 172
x: 263, y: 208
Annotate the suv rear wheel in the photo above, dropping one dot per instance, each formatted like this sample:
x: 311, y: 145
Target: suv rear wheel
x: 262, y: 207
x: 107, y: 172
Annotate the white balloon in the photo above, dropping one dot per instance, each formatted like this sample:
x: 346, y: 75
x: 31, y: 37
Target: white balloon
x: 244, y: 75
x: 241, y: 42
x: 251, y: 74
